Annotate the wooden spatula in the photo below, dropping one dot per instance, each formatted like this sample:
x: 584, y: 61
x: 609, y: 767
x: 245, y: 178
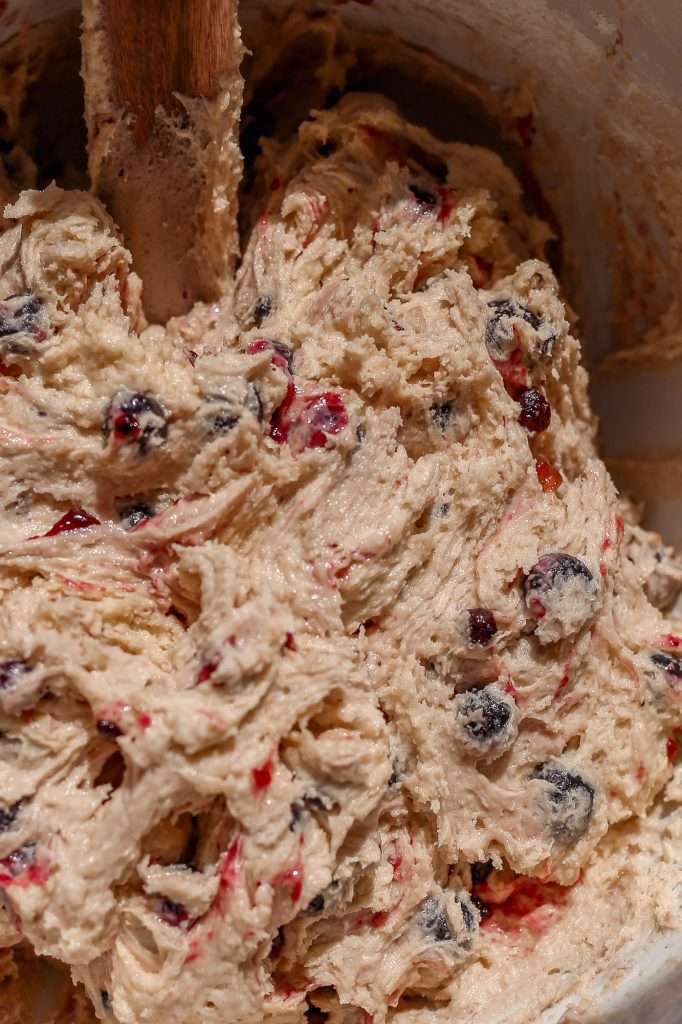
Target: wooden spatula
x: 167, y: 168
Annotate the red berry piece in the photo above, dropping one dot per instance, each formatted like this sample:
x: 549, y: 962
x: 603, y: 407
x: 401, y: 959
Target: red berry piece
x: 75, y: 519
x: 482, y: 626
x: 549, y: 477
x: 325, y: 414
x: 536, y: 411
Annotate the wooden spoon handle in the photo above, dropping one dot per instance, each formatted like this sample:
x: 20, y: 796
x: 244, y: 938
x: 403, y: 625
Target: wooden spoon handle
x: 162, y: 47
x: 163, y: 98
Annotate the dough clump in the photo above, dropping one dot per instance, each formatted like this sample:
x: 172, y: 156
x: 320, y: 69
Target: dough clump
x: 330, y: 685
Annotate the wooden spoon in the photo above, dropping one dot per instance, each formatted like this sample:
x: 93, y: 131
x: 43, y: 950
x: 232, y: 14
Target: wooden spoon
x: 163, y: 98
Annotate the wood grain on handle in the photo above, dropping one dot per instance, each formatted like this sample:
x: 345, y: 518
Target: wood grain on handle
x: 161, y: 47
x: 167, y: 169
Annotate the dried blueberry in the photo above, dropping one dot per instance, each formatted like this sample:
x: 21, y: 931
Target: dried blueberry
x: 423, y: 196
x: 23, y: 325
x: 441, y: 415
x: 536, y: 412
x: 486, y: 721
x: 670, y: 663
x: 262, y: 309
x: 433, y: 920
x: 134, y: 514
x: 499, y: 333
x: 561, y: 595
x: 133, y: 417
x: 568, y: 800
x: 11, y: 672
x: 481, y: 627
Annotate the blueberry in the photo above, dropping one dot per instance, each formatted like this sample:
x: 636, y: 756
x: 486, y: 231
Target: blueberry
x: 8, y: 815
x: 23, y: 324
x: 223, y: 415
x: 441, y: 415
x: 568, y: 800
x: 423, y: 196
x: 536, y: 412
x: 173, y: 913
x: 105, y: 727
x: 11, y: 672
x: 468, y: 915
x: 486, y: 721
x: 481, y: 627
x: 670, y: 663
x: 134, y: 514
x: 433, y: 920
x: 133, y: 417
x: 561, y: 594
x: 20, y: 859
x: 262, y: 309
x: 499, y: 332
x: 105, y: 999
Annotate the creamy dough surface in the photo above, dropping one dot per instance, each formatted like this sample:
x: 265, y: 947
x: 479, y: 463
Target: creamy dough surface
x: 331, y: 688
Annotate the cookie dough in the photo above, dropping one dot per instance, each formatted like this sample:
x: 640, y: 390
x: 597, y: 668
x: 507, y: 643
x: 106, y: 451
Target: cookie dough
x: 331, y: 688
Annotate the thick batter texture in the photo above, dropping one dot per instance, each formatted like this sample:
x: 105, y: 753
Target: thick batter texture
x: 331, y: 688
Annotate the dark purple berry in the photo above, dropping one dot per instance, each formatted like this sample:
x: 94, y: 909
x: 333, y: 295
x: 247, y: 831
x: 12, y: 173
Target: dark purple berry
x: 23, y: 325
x: 568, y: 800
x: 11, y: 672
x: 536, y: 411
x: 134, y: 514
x: 561, y: 595
x: 133, y: 417
x: 8, y: 815
x: 670, y: 663
x: 441, y: 415
x: 172, y: 913
x: 105, y: 727
x: 262, y: 309
x: 482, y: 626
x: 20, y: 859
x: 499, y: 333
x: 486, y: 721
x: 433, y: 920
